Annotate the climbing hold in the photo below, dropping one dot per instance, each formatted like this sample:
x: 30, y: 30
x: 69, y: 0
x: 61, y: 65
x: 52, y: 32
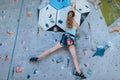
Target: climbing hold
x: 0, y: 44
x: 35, y: 71
x: 3, y: 13
x: 6, y: 58
x: 46, y: 25
x: 85, y: 51
x: 53, y: 60
x: 60, y: 21
x: 89, y: 72
x: 50, y: 16
x: 22, y: 42
x: 60, y: 59
x: 99, y: 52
x: 29, y: 14
x: 85, y: 65
x: 80, y: 9
x: 28, y: 76
x: 101, y: 49
x: 46, y: 8
x: 10, y: 32
x: 18, y: 70
x: 86, y: 6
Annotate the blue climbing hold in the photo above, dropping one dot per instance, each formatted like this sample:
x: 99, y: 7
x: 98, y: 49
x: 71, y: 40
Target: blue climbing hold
x: 60, y: 21
x: 89, y: 72
x: 100, y: 50
x: 47, y: 25
x: 35, y: 71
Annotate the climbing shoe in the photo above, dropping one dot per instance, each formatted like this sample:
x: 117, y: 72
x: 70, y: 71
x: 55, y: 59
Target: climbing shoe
x: 34, y: 59
x: 81, y: 75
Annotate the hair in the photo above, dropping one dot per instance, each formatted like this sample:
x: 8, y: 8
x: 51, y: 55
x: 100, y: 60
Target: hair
x: 69, y: 21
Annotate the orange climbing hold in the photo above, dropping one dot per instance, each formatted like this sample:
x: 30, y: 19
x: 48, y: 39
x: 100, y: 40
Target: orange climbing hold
x: 29, y: 14
x: 10, y: 32
x: 18, y: 70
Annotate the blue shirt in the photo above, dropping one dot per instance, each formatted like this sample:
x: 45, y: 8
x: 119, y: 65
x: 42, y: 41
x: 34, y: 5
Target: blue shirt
x: 72, y: 31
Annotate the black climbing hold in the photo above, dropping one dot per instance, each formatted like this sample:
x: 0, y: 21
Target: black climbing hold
x: 28, y: 76
x: 86, y: 6
x: 60, y: 59
x: 50, y: 16
x: 80, y: 9
x: 46, y: 8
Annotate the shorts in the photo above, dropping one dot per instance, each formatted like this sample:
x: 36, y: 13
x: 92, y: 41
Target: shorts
x: 66, y: 40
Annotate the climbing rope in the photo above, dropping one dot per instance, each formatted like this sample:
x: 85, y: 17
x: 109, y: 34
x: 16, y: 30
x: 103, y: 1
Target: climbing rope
x: 13, y: 50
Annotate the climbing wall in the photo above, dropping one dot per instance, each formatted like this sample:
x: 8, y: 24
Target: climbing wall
x: 21, y: 37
